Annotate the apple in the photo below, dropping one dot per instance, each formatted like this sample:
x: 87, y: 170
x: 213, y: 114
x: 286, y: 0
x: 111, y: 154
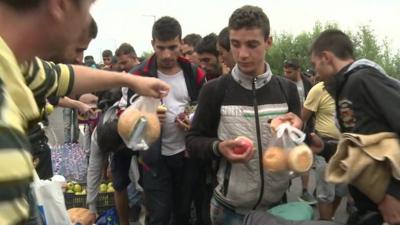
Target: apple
x: 110, y: 184
x: 103, y: 188
x: 110, y: 189
x: 77, y: 188
x: 49, y: 108
x: 83, y: 192
x: 70, y: 191
x: 245, y: 145
x: 70, y: 186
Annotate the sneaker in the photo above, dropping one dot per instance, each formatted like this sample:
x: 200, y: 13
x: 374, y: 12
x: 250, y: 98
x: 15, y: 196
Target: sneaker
x: 308, y: 198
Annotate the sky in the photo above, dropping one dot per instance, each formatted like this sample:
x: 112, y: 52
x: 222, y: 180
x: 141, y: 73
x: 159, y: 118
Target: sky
x: 131, y: 20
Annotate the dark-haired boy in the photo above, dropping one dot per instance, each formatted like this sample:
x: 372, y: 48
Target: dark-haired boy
x: 241, y: 104
x: 167, y: 186
x: 367, y: 102
x: 224, y: 48
x: 207, y: 54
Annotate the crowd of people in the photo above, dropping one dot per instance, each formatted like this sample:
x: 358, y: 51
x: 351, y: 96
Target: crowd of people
x: 191, y: 174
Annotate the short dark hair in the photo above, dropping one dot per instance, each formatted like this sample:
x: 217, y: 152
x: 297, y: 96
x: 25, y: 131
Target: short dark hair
x: 114, y: 59
x: 89, y: 61
x: 166, y: 28
x: 22, y: 5
x: 249, y: 17
x: 309, y: 72
x: 291, y: 63
x: 192, y: 39
x: 89, y: 57
x: 335, y: 41
x: 93, y: 29
x: 208, y: 45
x: 125, y: 49
x: 108, y: 138
x: 107, y: 53
x: 223, y: 39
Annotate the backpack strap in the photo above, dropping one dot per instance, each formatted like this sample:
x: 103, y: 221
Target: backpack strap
x: 222, y: 86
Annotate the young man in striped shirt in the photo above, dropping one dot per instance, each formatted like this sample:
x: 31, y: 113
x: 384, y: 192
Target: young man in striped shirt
x: 41, y: 28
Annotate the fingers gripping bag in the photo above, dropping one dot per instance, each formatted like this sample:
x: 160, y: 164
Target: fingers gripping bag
x: 287, y: 151
x: 186, y: 116
x: 138, y: 125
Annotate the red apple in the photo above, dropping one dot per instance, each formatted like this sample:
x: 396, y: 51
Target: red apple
x: 245, y: 145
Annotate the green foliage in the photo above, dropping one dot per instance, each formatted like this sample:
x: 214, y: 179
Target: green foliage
x: 287, y: 46
x: 145, y: 55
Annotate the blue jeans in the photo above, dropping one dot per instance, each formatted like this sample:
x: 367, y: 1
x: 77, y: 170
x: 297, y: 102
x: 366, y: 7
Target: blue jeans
x: 70, y: 120
x: 34, y: 215
x: 220, y: 215
x: 134, y: 195
x: 167, y: 190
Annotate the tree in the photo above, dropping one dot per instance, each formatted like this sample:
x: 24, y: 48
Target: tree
x: 366, y: 45
x: 286, y: 46
x: 145, y: 55
x: 281, y: 50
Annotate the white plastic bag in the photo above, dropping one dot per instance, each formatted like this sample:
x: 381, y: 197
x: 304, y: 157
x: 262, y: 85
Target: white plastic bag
x: 287, y: 151
x: 139, y: 133
x: 146, y: 104
x: 50, y: 200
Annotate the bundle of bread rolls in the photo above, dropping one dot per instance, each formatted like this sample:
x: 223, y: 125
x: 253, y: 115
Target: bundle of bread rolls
x: 299, y: 159
x: 127, y: 122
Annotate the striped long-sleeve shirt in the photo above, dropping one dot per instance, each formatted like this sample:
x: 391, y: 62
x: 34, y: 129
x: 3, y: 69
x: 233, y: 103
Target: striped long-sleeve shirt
x: 20, y: 87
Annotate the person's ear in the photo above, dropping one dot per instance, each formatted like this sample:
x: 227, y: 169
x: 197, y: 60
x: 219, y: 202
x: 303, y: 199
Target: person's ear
x: 268, y: 43
x: 58, y: 9
x: 325, y: 56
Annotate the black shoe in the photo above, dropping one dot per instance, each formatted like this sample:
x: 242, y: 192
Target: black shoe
x: 308, y: 198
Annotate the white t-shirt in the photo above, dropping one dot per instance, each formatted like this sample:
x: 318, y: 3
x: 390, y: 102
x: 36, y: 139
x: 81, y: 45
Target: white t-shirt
x: 173, y: 137
x: 300, y: 89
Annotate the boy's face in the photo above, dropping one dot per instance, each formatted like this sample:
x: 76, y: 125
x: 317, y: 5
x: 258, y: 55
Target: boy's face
x: 126, y: 62
x: 225, y: 56
x: 68, y: 21
x: 323, y: 66
x: 291, y: 73
x: 107, y: 60
x: 248, y: 47
x: 210, y: 64
x: 167, y: 52
x: 189, y: 53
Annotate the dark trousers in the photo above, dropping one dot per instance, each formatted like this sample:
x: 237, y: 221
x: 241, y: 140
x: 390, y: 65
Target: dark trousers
x: 203, y: 191
x: 168, y: 190
x: 41, y: 154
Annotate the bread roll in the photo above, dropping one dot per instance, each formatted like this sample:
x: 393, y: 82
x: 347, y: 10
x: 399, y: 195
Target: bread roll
x: 162, y: 109
x: 300, y: 159
x: 128, y: 120
x: 153, y: 128
x: 275, y: 159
